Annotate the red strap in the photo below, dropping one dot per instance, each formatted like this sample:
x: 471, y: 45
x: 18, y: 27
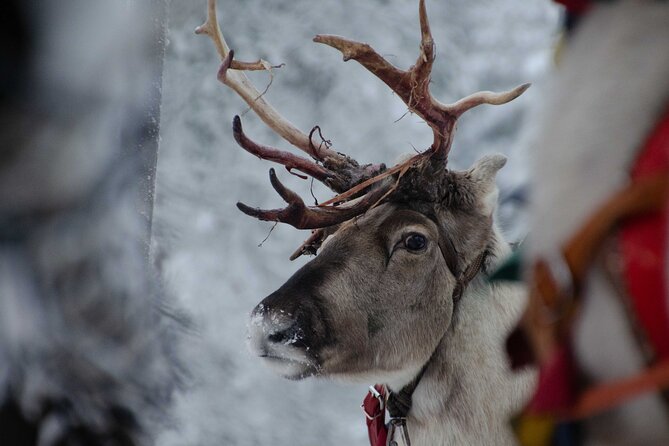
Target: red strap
x: 644, y: 245
x: 376, y: 417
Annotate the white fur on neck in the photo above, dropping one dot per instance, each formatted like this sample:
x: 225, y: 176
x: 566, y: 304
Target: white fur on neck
x: 468, y: 392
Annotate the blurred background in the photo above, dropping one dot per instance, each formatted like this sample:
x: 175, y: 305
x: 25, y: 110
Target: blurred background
x: 208, y: 253
x: 89, y: 339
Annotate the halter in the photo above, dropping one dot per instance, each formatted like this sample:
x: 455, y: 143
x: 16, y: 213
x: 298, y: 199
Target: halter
x: 398, y: 404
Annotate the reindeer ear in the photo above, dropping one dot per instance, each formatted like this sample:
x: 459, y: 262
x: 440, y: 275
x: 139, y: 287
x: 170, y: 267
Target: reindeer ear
x: 482, y: 175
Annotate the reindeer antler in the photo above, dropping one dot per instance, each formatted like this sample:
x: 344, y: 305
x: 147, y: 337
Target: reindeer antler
x: 240, y: 83
x: 412, y: 86
x: 340, y: 173
x: 299, y: 215
x: 337, y: 171
x: 360, y: 187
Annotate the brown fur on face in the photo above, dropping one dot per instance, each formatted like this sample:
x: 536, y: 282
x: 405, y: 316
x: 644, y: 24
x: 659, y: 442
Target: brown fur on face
x: 369, y: 306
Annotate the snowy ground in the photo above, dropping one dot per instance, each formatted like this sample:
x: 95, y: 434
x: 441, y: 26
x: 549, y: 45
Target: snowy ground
x: 208, y: 251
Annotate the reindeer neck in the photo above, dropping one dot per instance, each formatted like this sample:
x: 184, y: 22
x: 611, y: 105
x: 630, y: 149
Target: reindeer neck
x: 466, y: 393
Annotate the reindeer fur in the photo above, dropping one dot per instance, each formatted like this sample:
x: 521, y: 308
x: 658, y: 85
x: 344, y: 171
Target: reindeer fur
x: 361, y: 311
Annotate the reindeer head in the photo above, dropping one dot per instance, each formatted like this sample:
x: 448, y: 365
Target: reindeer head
x: 397, y: 246
x: 381, y: 292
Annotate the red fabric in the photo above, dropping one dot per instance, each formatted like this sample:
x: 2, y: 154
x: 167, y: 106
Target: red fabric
x: 556, y: 388
x: 644, y: 244
x: 376, y: 418
x: 644, y: 241
x: 577, y: 7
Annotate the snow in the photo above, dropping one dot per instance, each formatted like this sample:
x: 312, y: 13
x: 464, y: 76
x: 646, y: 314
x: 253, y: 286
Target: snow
x: 208, y: 251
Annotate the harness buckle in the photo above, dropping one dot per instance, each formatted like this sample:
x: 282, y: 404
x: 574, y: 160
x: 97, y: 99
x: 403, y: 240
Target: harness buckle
x: 382, y: 404
x: 398, y: 424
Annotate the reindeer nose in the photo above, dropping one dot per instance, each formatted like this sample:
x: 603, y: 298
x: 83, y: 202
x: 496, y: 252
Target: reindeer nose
x: 285, y: 336
x: 290, y: 321
x: 273, y: 326
x: 282, y: 336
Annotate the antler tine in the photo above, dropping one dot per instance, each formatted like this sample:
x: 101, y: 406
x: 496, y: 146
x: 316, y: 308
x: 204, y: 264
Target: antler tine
x: 398, y: 80
x: 240, y: 84
x: 422, y: 69
x: 300, y: 216
x: 339, y: 177
x: 412, y: 86
x: 485, y: 97
x: 289, y: 160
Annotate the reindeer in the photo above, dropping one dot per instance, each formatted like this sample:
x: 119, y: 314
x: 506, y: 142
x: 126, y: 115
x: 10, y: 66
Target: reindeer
x: 397, y: 293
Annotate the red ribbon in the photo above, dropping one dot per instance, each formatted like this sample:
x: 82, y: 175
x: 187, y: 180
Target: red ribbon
x: 375, y: 413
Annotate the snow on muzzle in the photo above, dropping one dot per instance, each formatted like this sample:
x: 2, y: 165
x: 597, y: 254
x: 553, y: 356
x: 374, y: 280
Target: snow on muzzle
x: 287, y: 330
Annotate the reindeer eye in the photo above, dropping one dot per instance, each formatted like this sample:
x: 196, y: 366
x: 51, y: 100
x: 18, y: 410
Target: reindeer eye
x: 415, y: 242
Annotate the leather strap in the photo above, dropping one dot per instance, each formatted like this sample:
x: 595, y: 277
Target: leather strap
x: 606, y: 396
x: 399, y: 403
x: 552, y: 305
x: 468, y: 275
x: 554, y: 300
x: 448, y: 251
